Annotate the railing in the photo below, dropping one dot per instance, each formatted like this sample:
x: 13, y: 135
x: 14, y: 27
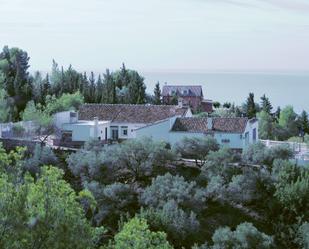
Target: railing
x: 301, y: 150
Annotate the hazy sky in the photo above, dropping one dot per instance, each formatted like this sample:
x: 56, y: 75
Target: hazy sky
x: 160, y: 34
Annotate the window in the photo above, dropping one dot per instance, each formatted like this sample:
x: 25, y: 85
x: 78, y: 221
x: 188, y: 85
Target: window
x: 73, y: 114
x: 225, y: 141
x: 124, y: 130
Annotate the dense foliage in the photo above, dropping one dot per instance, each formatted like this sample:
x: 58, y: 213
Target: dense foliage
x: 18, y: 87
x: 139, y: 194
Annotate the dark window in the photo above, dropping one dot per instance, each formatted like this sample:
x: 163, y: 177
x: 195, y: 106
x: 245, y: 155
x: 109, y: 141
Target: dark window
x: 124, y: 130
x: 115, y: 132
x: 225, y: 141
x: 254, y: 134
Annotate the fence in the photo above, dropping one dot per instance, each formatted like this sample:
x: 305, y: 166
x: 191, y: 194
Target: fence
x: 21, y: 129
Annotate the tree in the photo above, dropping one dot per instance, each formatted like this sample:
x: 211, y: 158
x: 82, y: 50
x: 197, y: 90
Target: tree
x: 216, y: 104
x: 250, y: 106
x: 113, y: 201
x: 135, y: 234
x: 138, y: 157
x: 197, y: 148
x: 92, y: 88
x: 99, y: 90
x: 137, y: 88
x: 109, y: 95
x: 16, y: 80
x: 266, y: 125
x: 303, y: 239
x: 42, y: 213
x: 246, y: 236
x: 168, y: 187
x: 277, y: 114
x: 179, y: 225
x: 287, y: 121
x: 65, y: 102
x: 227, y: 105
x: 292, y: 190
x: 219, y: 164
x: 304, y: 122
x: 157, y: 94
x: 42, y: 121
x: 259, y: 154
x: 4, y: 113
x: 42, y: 155
x: 266, y: 105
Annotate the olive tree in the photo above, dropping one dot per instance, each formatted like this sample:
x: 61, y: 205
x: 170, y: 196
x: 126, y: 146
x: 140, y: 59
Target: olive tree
x: 197, y: 148
x: 168, y: 187
x: 138, y: 157
x: 246, y: 236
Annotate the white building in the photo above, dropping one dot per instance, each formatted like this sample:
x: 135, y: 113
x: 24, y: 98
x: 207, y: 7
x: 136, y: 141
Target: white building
x: 235, y: 133
x: 107, y: 122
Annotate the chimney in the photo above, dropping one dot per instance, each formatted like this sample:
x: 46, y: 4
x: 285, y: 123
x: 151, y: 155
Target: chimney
x: 180, y: 102
x: 96, y: 127
x: 209, y: 123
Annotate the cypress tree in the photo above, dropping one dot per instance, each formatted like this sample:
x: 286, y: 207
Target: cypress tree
x: 304, y: 122
x: 99, y: 90
x: 92, y: 88
x: 157, y: 94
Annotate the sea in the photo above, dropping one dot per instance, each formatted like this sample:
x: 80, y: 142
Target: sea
x: 282, y: 88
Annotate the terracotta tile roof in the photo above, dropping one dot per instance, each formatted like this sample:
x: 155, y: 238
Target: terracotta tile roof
x: 182, y: 91
x: 195, y: 124
x: 144, y: 114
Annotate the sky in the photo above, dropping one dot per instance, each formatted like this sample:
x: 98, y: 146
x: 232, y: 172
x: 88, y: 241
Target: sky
x: 160, y: 35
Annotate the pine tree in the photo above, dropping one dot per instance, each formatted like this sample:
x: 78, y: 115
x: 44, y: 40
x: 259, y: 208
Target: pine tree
x: 277, y: 114
x: 14, y: 64
x: 266, y: 105
x: 157, y: 94
x: 251, y: 106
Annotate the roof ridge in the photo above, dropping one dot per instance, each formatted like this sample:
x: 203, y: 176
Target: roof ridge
x: 108, y: 104
x: 182, y: 85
